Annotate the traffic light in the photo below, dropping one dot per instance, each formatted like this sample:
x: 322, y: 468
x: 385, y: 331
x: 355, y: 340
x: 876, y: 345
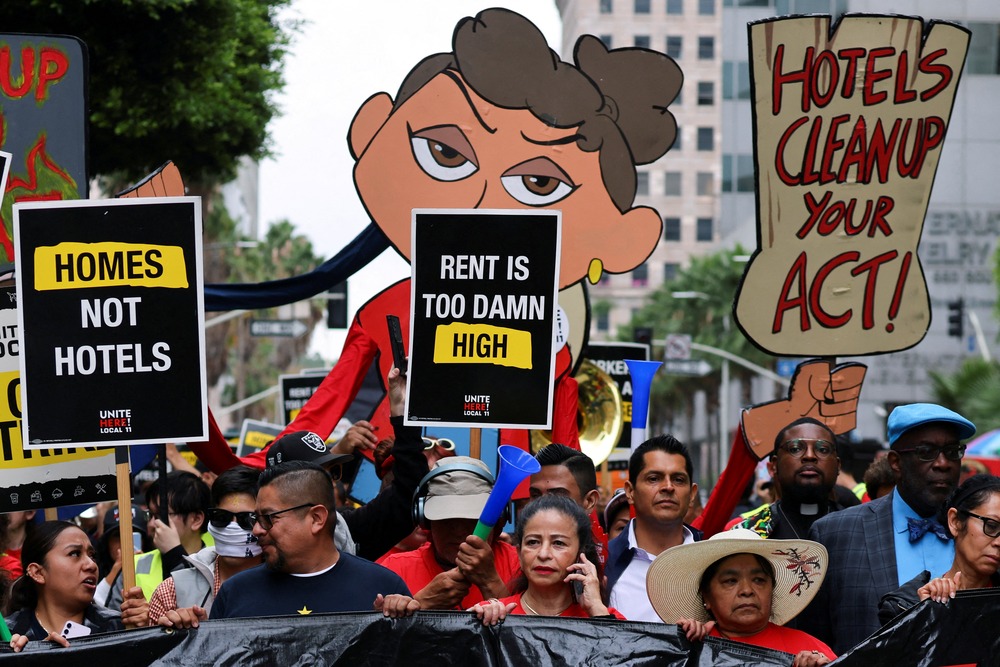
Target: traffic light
x: 956, y: 317
x: 643, y: 335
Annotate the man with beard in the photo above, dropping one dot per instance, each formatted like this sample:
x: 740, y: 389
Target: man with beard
x: 303, y: 572
x: 876, y: 547
x: 804, y: 465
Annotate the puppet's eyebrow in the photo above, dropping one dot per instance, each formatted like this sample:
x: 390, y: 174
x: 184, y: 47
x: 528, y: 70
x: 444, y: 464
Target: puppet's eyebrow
x: 465, y: 91
x: 552, y: 142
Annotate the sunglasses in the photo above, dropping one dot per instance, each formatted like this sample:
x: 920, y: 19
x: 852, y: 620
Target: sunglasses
x: 990, y: 526
x: 266, y: 521
x: 928, y: 453
x: 797, y: 448
x: 443, y: 443
x: 221, y: 518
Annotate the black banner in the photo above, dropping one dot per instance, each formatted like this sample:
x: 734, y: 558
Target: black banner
x: 485, y: 288
x: 111, y: 304
x: 963, y: 632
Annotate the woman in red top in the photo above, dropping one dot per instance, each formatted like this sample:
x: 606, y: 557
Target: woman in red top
x: 558, y: 554
x: 741, y: 587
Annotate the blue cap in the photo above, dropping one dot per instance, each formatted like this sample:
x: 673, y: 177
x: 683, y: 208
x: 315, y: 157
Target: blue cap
x: 906, y: 417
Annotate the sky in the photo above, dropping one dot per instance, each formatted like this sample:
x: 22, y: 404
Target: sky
x: 344, y: 53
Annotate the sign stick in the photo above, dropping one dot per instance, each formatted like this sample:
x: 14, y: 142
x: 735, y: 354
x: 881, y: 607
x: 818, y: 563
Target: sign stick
x: 51, y: 513
x: 125, y: 515
x: 475, y: 443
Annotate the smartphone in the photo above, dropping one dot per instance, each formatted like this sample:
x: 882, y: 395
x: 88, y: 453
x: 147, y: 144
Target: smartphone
x: 396, y: 340
x: 366, y: 484
x: 137, y: 542
x: 577, y: 590
x: 72, y: 629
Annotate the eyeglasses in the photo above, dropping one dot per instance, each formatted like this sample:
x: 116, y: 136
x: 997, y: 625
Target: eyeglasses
x: 221, y: 518
x: 445, y: 443
x: 928, y: 453
x: 797, y: 448
x: 990, y: 526
x: 266, y: 521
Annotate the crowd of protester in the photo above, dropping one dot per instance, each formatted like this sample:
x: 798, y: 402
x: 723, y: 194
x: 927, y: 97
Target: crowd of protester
x: 279, y: 542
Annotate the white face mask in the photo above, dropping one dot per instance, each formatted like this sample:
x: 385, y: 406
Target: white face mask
x: 234, y: 541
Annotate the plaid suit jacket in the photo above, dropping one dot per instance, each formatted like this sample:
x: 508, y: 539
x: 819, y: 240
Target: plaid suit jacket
x: 862, y: 569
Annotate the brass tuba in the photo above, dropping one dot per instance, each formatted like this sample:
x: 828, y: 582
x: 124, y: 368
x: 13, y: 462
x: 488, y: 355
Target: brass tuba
x: 599, y: 415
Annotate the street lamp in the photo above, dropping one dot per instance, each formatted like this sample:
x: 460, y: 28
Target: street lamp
x: 723, y: 382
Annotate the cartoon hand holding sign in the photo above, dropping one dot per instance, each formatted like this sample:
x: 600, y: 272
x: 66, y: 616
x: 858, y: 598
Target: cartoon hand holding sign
x: 849, y: 130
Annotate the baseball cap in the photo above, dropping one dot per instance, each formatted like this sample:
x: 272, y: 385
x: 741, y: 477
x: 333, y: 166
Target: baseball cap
x: 617, y: 501
x: 906, y: 417
x: 112, y: 520
x: 460, y: 494
x: 303, y: 446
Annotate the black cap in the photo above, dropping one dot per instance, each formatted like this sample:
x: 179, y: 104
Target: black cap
x: 112, y: 520
x: 303, y: 446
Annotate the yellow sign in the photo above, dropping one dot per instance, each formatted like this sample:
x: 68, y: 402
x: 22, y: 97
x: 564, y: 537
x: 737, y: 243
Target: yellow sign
x: 109, y: 264
x: 459, y: 343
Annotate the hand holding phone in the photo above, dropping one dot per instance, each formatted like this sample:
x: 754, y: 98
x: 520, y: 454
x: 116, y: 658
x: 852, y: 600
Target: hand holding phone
x: 137, y: 542
x: 396, y: 340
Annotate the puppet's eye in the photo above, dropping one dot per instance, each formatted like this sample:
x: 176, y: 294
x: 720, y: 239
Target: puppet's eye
x: 444, y: 153
x: 537, y: 182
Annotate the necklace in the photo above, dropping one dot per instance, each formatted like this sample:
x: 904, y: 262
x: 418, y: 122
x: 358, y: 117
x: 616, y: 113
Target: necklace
x: 529, y: 608
x: 524, y: 603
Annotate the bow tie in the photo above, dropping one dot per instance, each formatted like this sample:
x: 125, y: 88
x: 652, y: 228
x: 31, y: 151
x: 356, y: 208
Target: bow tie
x: 918, y: 527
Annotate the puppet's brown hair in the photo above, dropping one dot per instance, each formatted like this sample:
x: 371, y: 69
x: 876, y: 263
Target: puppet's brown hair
x: 616, y: 99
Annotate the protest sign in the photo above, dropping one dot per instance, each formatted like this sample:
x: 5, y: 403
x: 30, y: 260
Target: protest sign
x: 484, y: 293
x: 295, y: 390
x: 43, y: 120
x: 256, y: 435
x: 48, y: 478
x: 849, y: 127
x: 112, y: 321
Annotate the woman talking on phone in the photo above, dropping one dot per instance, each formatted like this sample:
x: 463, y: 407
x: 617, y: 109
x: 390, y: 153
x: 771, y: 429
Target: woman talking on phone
x: 54, y: 598
x: 559, y: 565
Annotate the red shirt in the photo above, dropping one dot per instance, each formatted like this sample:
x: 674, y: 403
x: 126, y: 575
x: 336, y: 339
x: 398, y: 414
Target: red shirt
x: 11, y: 561
x: 417, y: 568
x: 780, y: 638
x: 573, y: 611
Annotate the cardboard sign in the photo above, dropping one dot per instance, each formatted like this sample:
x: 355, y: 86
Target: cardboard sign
x: 484, y: 293
x: 48, y: 478
x: 112, y: 316
x: 43, y: 116
x: 849, y: 128
x: 610, y: 358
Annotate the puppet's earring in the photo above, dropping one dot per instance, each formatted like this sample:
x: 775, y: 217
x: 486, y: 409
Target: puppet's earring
x: 595, y: 271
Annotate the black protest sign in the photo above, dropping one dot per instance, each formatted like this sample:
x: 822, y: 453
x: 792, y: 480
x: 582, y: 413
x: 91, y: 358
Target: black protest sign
x: 610, y: 358
x: 295, y: 392
x: 485, y: 287
x: 112, y: 322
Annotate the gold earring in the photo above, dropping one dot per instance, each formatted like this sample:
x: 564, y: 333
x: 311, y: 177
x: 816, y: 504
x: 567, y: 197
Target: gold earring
x: 595, y: 270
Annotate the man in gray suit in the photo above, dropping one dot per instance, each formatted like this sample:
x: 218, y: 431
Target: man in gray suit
x: 876, y: 547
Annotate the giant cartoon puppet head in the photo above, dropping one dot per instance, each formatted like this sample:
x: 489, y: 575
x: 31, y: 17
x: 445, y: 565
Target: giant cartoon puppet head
x: 502, y: 122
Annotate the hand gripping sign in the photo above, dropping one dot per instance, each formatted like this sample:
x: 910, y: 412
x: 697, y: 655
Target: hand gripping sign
x: 849, y: 127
